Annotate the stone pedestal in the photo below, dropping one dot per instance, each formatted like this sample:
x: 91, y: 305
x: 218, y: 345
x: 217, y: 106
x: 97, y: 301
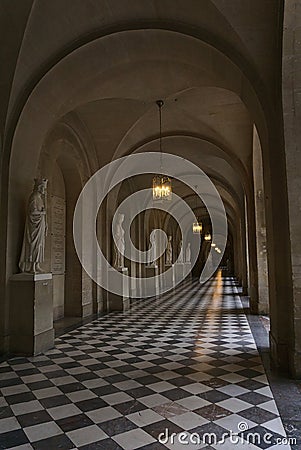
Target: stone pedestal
x: 187, y: 269
x: 31, y: 313
x: 100, y: 304
x: 152, y: 270
x: 119, y: 302
x: 179, y: 271
x: 169, y: 277
x: 133, y: 281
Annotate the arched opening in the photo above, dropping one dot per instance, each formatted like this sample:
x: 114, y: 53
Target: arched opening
x: 74, y: 289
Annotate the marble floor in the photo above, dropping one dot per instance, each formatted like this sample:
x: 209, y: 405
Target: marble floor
x: 180, y: 371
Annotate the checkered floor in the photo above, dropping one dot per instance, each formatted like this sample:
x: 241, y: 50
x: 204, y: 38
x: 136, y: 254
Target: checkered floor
x: 185, y: 362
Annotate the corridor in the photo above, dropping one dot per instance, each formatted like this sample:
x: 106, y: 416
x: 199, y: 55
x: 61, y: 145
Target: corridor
x: 185, y: 362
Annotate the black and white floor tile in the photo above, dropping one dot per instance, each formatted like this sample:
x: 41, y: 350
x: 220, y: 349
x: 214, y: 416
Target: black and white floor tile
x: 185, y: 362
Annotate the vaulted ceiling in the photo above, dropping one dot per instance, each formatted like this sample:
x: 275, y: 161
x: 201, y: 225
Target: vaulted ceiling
x: 105, y: 63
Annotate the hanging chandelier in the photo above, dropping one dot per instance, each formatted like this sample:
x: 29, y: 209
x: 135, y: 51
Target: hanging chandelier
x: 197, y: 227
x: 162, y: 189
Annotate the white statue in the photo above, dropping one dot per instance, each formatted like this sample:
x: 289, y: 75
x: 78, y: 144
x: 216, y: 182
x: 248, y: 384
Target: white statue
x: 119, y: 246
x: 33, y: 248
x: 153, y: 249
x: 181, y: 253
x: 188, y: 253
x: 168, y: 257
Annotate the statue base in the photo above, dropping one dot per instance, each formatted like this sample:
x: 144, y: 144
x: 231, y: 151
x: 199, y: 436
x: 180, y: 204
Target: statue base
x: 151, y: 266
x: 187, y: 270
x: 169, y: 276
x: 152, y: 271
x: 31, y: 313
x: 119, y: 302
x: 179, y: 272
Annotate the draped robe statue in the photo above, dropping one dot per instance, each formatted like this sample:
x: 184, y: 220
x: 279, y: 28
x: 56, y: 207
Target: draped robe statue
x: 181, y: 253
x: 168, y: 258
x: 188, y: 253
x: 119, y: 246
x: 153, y: 249
x: 33, y: 248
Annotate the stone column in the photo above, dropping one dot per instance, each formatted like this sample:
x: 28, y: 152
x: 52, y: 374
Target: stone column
x: 291, y: 97
x: 236, y: 256
x: 252, y: 255
x: 263, y: 286
x: 244, y: 254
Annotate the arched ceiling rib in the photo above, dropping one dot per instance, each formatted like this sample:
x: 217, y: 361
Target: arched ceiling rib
x: 212, y: 112
x: 122, y: 124
x: 104, y: 69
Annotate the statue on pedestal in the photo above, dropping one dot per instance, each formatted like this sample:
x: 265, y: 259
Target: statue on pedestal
x: 188, y: 253
x: 33, y: 248
x: 153, y: 249
x: 168, y: 258
x: 119, y: 246
x: 181, y: 253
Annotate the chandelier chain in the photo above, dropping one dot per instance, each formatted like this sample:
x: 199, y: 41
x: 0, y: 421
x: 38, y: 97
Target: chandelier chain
x: 160, y: 103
